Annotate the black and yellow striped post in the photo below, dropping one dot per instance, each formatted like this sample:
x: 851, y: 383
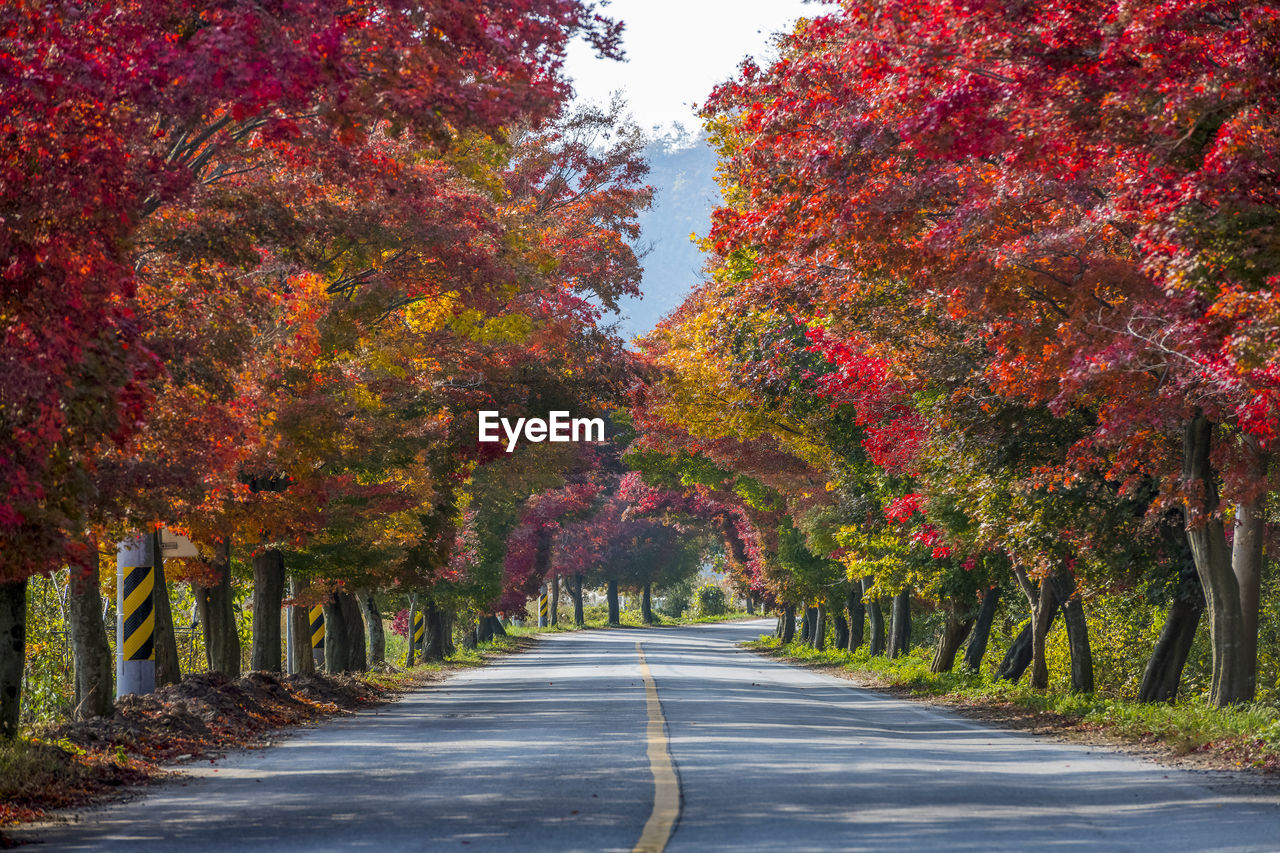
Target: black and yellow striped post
x: 544, y: 609
x: 317, y: 635
x: 419, y: 628
x: 135, y: 617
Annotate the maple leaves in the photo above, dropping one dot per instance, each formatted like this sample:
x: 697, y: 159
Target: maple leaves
x: 172, y: 168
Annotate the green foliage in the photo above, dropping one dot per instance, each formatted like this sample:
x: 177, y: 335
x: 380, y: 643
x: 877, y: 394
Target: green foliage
x: 709, y: 600
x: 49, y: 685
x: 676, y: 597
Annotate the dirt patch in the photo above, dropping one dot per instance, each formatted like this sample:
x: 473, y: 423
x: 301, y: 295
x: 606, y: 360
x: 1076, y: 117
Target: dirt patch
x: 208, y: 712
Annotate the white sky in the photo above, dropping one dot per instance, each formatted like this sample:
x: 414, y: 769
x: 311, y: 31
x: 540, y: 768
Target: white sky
x: 678, y: 50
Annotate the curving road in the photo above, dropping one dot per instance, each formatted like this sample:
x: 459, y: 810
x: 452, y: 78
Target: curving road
x: 558, y: 749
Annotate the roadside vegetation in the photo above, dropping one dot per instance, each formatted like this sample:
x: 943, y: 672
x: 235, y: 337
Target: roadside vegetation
x: 1244, y: 736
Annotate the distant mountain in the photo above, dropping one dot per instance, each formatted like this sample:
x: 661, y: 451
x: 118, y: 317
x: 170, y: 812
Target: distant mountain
x: 681, y: 173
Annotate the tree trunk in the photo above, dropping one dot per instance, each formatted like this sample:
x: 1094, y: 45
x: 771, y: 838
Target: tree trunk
x: 1064, y: 586
x: 168, y: 667
x: 874, y: 620
x: 857, y: 615
x: 576, y: 592
x: 555, y: 599
x: 373, y: 623
x: 806, y: 626
x: 1246, y: 565
x: 900, y: 627
x: 1207, y: 538
x: 751, y: 605
x: 410, y: 647
x: 357, y: 653
x: 90, y: 648
x: 446, y: 633
x: 820, y: 626
x: 1019, y: 655
x: 484, y: 630
x: 788, y: 623
x: 268, y: 593
x: 218, y: 617
x: 13, y: 654
x: 434, y: 647
x: 612, y: 596
x: 841, y: 637
x: 1018, y: 658
x: 1163, y: 674
x: 977, y: 648
x: 496, y: 627
x: 954, y: 630
x: 1041, y: 619
x: 646, y: 604
x: 300, y: 618
x: 336, y: 654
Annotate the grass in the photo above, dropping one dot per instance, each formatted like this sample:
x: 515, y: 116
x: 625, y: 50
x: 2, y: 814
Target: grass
x: 395, y: 677
x: 1240, y: 736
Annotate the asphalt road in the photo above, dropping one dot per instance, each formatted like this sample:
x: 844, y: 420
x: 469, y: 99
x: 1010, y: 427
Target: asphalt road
x: 558, y: 749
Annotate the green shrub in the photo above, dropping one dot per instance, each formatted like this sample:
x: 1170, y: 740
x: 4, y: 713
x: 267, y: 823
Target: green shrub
x: 709, y: 600
x: 674, y: 599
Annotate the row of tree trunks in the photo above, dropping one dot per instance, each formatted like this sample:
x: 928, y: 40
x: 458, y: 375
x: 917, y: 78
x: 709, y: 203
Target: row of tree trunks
x: 90, y: 647
x: 646, y: 604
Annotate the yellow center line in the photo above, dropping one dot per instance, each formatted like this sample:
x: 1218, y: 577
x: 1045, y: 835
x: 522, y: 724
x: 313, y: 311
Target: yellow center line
x: 666, y: 787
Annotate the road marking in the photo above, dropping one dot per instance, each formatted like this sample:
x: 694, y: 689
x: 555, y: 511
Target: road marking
x: 666, y: 787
